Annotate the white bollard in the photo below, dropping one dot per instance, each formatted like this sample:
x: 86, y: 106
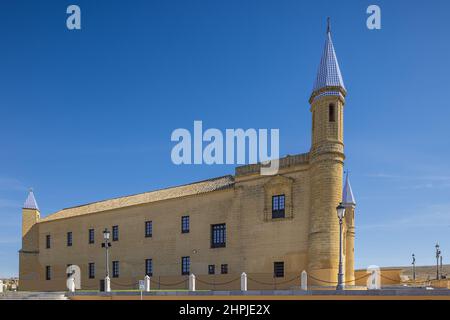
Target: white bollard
x: 1, y: 286
x: 147, y: 283
x: 71, y: 283
x: 243, y: 281
x: 107, y: 284
x: 304, y: 281
x: 191, y: 282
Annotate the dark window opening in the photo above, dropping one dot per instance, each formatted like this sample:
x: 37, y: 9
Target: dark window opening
x: 148, y: 229
x: 224, y: 269
x: 48, y: 273
x: 185, y: 265
x: 91, y: 270
x: 332, y: 113
x: 185, y: 224
x: 115, y: 269
x: 278, y: 206
x: 218, y: 235
x: 149, y: 267
x: 91, y: 236
x: 48, y: 241
x: 211, y: 269
x: 69, y: 239
x: 278, y: 269
x: 115, y: 233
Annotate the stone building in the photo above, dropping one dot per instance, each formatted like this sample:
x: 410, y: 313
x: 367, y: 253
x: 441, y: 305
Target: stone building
x: 271, y: 227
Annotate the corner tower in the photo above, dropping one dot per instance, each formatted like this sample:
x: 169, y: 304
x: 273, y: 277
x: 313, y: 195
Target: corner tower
x: 327, y: 162
x: 28, y: 254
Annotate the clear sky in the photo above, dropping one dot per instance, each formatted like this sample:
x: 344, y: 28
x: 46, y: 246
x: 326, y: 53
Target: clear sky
x: 87, y: 115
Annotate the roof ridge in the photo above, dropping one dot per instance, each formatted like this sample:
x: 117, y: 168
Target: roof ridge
x: 229, y: 177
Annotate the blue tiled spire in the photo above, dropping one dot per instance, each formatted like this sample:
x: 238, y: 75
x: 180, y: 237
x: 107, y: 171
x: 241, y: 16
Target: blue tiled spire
x: 30, y: 203
x: 329, y: 74
x: 347, y: 194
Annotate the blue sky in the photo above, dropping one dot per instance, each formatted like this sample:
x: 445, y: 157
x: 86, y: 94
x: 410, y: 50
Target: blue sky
x: 87, y: 115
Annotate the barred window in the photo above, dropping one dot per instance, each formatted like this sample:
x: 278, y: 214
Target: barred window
x: 278, y: 206
x: 48, y: 273
x: 115, y: 233
x: 278, y: 269
x: 185, y: 265
x: 224, y: 269
x: 185, y: 224
x: 91, y: 236
x: 218, y: 235
x: 69, y: 239
x: 211, y: 269
x: 91, y: 270
x: 148, y: 229
x: 115, y: 269
x: 149, y: 267
x: 48, y: 241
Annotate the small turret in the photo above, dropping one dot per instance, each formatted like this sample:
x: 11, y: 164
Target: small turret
x: 29, y: 254
x: 348, y: 200
x: 30, y: 215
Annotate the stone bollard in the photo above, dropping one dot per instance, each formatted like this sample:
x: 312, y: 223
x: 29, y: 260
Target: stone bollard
x: 243, y: 281
x: 191, y: 282
x: 107, y: 284
x: 1, y: 286
x: 304, y: 281
x: 147, y: 283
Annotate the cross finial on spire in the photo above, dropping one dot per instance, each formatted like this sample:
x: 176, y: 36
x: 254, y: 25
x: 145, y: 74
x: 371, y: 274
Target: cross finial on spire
x: 328, y: 25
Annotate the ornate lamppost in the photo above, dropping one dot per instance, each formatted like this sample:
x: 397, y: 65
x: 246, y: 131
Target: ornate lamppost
x: 106, y: 244
x: 340, y: 213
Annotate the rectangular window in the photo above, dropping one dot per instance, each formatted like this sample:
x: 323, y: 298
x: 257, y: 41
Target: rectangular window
x: 185, y: 224
x: 115, y: 233
x: 218, y: 235
x: 278, y: 206
x: 331, y: 113
x: 149, y: 267
x: 48, y: 273
x: 148, y: 229
x: 211, y: 269
x: 115, y: 269
x: 91, y: 270
x: 224, y: 269
x: 91, y: 236
x: 48, y: 241
x: 278, y: 269
x: 185, y: 265
x: 69, y: 239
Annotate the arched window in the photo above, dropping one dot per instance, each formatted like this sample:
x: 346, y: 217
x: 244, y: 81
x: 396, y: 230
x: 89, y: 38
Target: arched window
x: 331, y: 113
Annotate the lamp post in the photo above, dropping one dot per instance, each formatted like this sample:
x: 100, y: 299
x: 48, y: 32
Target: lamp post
x: 414, y: 266
x: 106, y: 244
x: 340, y: 213
x: 438, y: 253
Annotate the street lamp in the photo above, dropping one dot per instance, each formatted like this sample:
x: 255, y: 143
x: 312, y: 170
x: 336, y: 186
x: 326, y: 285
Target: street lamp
x: 106, y: 244
x: 340, y: 213
x: 414, y: 266
x: 438, y: 253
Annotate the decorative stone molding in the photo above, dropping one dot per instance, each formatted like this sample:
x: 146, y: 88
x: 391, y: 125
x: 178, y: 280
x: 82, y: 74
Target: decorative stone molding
x: 276, y: 186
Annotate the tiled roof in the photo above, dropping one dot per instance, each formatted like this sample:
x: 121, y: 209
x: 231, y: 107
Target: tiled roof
x: 347, y: 193
x: 329, y: 73
x: 147, y: 197
x: 30, y: 203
